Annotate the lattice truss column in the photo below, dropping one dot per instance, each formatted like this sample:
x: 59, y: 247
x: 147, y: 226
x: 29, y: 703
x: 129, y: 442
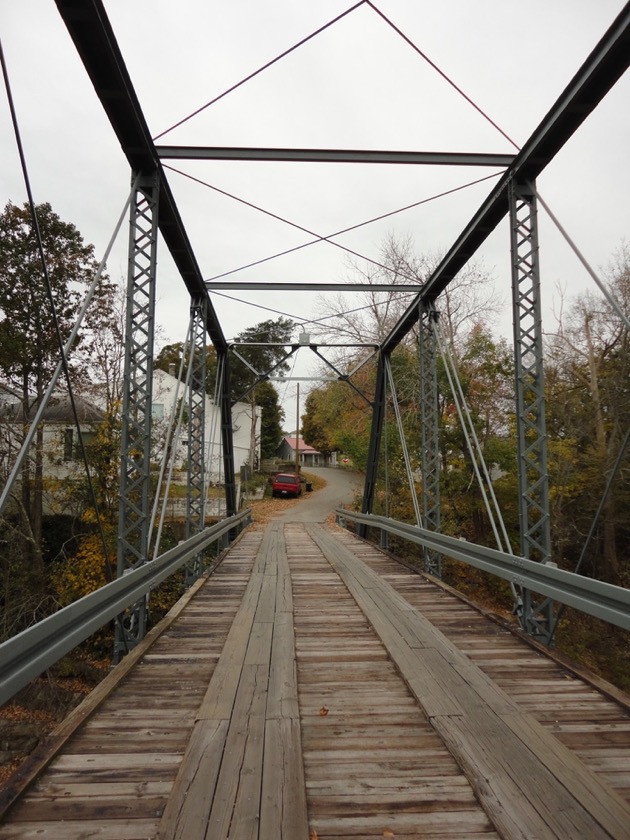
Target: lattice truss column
x: 134, y: 508
x: 429, y: 430
x: 196, y: 482
x: 535, y: 613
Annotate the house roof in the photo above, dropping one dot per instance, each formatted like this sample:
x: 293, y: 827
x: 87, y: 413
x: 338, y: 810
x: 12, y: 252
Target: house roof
x: 59, y: 410
x: 302, y: 447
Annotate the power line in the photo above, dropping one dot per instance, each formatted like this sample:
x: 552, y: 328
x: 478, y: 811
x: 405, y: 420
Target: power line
x: 446, y: 78
x: 261, y: 69
x: 327, y: 237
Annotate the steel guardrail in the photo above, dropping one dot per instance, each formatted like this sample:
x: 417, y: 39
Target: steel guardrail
x: 26, y: 655
x: 594, y: 597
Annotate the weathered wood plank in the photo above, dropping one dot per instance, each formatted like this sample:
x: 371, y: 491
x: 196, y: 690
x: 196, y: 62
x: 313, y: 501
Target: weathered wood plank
x: 283, y: 814
x: 82, y: 830
x: 186, y: 813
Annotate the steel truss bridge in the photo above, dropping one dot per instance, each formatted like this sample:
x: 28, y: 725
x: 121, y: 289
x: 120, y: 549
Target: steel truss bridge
x: 536, y: 581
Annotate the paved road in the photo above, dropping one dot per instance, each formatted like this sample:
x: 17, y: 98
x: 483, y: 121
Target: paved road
x: 341, y: 488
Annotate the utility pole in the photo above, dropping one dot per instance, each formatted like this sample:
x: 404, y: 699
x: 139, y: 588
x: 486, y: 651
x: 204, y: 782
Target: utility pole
x: 297, y: 432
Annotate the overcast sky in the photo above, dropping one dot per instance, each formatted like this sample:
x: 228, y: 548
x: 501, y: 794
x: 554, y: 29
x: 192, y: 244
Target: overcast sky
x: 356, y: 85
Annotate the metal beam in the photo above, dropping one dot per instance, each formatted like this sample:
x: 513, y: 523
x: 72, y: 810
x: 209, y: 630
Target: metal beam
x: 196, y: 473
x: 297, y: 346
x: 429, y: 430
x: 252, y: 285
x: 93, y: 37
x: 594, y: 597
x: 28, y: 654
x: 603, y: 67
x: 134, y: 510
x: 536, y: 617
x: 379, y: 407
x: 333, y: 156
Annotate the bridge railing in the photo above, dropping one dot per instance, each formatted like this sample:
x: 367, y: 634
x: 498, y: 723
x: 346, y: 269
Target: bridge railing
x: 603, y: 600
x: 25, y: 656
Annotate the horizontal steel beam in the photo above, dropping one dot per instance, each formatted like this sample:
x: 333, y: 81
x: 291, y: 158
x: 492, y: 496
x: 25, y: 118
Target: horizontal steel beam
x: 296, y: 345
x: 252, y: 285
x: 333, y: 156
x: 303, y: 379
x: 27, y: 655
x: 594, y: 597
x: 601, y: 70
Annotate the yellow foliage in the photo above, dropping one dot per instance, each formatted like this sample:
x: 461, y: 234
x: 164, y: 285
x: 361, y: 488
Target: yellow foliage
x: 84, y: 573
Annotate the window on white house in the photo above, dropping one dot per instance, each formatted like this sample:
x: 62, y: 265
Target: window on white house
x: 68, y: 437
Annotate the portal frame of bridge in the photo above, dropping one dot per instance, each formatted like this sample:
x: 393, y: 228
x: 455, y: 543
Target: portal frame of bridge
x: 96, y: 44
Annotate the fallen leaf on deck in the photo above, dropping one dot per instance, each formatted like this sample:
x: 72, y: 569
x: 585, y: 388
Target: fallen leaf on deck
x: 313, y: 835
x: 388, y: 833
x: 323, y: 711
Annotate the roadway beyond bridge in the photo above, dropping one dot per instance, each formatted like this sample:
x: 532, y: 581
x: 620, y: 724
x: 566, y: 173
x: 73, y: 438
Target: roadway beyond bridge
x: 313, y: 687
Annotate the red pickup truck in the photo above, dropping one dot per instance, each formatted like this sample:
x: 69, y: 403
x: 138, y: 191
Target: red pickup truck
x: 286, y: 484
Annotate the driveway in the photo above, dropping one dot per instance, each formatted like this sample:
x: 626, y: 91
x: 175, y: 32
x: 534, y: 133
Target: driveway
x: 341, y: 488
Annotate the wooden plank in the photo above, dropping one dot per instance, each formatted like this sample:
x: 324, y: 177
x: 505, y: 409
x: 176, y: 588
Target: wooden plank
x: 186, y: 812
x: 353, y: 751
x: 282, y: 701
x: 283, y: 813
x: 258, y: 754
x: 241, y: 768
x: 520, y: 795
x: 218, y: 701
x: 80, y: 830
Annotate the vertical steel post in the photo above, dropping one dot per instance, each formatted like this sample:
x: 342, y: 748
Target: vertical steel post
x: 195, y: 496
x: 376, y: 431
x: 535, y: 613
x: 227, y: 436
x: 429, y: 431
x: 134, y: 505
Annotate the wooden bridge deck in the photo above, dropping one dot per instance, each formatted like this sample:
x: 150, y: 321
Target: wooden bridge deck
x: 314, y: 688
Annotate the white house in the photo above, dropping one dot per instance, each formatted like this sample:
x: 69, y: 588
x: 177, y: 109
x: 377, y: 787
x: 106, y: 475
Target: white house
x: 167, y: 394
x: 62, y: 457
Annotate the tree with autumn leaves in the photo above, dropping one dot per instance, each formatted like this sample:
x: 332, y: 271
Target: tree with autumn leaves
x: 588, y: 413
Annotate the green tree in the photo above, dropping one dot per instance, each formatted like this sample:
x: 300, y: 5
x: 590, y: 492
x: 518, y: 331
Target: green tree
x: 588, y: 414
x: 29, y: 348
x: 265, y: 348
x: 259, y: 350
x: 272, y: 419
x: 169, y: 359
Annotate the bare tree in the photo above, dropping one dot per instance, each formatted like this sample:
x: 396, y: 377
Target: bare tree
x: 371, y: 315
